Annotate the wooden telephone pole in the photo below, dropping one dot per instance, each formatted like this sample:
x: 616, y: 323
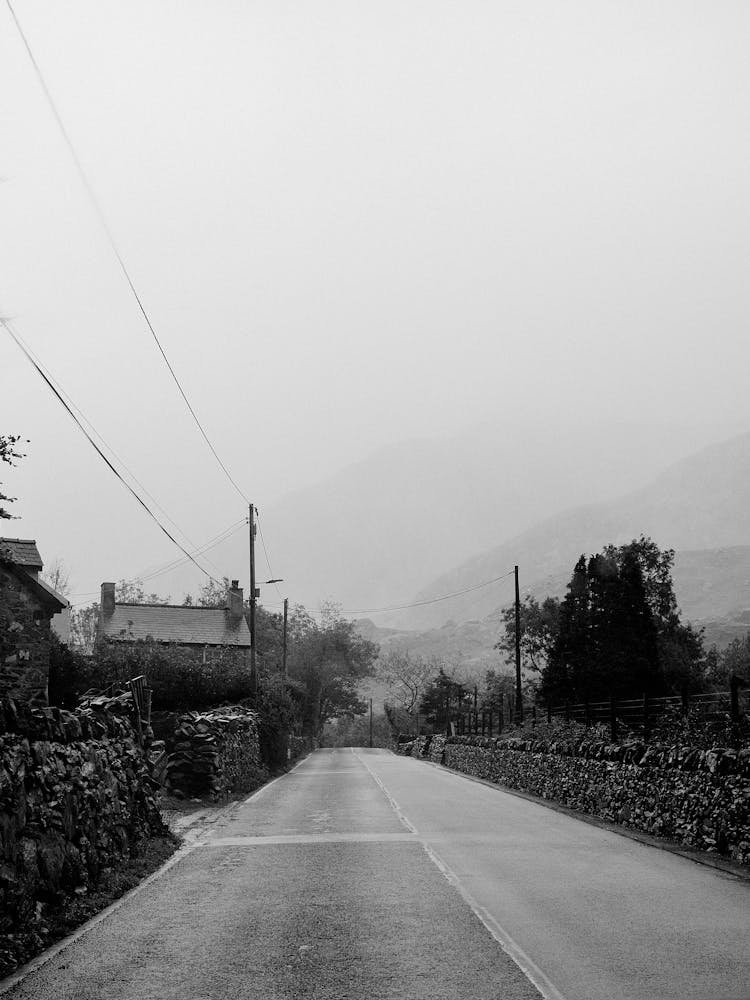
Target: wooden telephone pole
x: 519, y: 696
x: 253, y: 601
x: 283, y: 647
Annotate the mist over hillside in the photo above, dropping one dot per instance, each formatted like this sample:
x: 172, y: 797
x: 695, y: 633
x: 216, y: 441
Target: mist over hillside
x: 375, y: 533
x: 697, y: 504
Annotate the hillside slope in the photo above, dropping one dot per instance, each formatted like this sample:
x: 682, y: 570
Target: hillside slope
x: 371, y: 535
x: 699, y: 503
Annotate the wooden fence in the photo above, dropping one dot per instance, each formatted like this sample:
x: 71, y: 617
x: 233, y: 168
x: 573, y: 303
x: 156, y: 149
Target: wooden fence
x: 634, y: 716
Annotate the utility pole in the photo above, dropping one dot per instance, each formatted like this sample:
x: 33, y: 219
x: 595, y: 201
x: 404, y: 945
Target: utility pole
x: 519, y: 697
x: 253, y: 601
x: 283, y: 647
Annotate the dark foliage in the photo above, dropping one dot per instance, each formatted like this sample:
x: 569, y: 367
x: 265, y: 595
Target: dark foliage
x: 8, y: 454
x: 443, y: 698
x: 619, y: 630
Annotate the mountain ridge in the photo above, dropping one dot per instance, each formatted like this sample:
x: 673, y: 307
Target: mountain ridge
x: 697, y: 503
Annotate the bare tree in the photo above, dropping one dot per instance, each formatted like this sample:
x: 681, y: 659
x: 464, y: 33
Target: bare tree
x: 57, y: 576
x: 407, y: 676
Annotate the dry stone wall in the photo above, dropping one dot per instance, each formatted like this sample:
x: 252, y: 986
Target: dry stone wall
x: 215, y: 752
x: 76, y: 797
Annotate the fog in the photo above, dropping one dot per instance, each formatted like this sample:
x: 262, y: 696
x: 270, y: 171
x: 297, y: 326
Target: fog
x: 355, y: 224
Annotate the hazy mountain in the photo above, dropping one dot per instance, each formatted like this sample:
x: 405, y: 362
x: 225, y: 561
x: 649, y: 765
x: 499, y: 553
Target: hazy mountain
x: 371, y: 535
x: 712, y: 586
x: 698, y: 503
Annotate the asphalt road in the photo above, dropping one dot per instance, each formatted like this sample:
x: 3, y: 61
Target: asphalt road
x: 365, y: 875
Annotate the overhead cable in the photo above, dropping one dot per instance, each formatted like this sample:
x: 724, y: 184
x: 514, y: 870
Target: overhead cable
x: 174, y: 563
x: 217, y: 540
x: 24, y: 344
x: 419, y: 604
x: 433, y: 600
x: 5, y: 323
x: 105, y: 226
x: 265, y: 550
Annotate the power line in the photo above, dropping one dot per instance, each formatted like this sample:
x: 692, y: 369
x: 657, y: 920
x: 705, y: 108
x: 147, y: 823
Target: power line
x: 103, y: 440
x: 271, y: 573
x: 105, y: 226
x: 100, y: 453
x: 417, y: 604
x: 433, y: 600
x: 173, y: 564
x: 217, y: 540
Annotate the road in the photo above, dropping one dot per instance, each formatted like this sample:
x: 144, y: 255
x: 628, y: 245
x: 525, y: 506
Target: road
x: 364, y: 875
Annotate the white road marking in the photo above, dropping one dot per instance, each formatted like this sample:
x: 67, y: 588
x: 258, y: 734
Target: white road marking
x: 312, y: 838
x: 313, y: 774
x: 511, y: 948
x: 392, y: 802
x: 55, y: 949
x: 191, y: 840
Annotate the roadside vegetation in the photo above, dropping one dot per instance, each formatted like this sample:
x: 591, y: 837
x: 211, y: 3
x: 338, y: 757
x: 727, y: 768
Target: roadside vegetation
x: 326, y: 661
x: 617, y: 633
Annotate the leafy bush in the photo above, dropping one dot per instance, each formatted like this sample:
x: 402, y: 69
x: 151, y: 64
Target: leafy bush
x: 179, y: 679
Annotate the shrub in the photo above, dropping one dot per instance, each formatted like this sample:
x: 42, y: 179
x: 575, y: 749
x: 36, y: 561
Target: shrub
x: 179, y: 679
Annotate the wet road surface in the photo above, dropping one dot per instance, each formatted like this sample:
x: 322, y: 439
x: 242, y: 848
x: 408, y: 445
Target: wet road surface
x: 364, y: 875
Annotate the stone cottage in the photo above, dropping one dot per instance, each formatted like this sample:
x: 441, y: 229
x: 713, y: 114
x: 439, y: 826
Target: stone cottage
x: 27, y: 605
x: 199, y: 630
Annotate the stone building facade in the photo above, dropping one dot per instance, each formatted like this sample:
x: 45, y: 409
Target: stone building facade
x: 27, y: 605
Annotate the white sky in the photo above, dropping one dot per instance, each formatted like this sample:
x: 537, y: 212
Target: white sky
x: 353, y: 223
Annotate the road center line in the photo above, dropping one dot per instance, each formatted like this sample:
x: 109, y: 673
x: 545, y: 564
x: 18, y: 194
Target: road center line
x: 511, y: 948
x: 391, y: 801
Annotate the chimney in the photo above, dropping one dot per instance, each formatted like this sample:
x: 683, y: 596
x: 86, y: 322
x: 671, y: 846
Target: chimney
x: 236, y: 607
x: 108, y: 599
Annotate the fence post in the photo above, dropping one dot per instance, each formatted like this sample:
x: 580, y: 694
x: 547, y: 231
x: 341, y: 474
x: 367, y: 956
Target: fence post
x: 734, y: 696
x: 685, y: 701
x: 613, y: 718
x: 533, y: 717
x: 490, y: 732
x: 645, y: 718
x: 549, y: 713
x: 500, y: 719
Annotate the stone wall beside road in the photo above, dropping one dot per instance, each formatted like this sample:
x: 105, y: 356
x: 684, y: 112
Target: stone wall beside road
x: 76, y: 797
x: 215, y: 752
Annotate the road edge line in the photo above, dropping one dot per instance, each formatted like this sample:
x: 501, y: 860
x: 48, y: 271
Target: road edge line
x: 512, y: 949
x: 54, y: 950
x: 188, y: 846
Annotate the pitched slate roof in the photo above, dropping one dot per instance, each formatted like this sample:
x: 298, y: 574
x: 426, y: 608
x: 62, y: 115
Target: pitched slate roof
x: 174, y: 623
x: 21, y: 551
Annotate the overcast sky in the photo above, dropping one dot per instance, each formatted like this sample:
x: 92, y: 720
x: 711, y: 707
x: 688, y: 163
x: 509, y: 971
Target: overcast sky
x: 353, y: 223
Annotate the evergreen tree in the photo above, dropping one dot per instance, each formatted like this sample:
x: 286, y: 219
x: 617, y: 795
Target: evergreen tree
x: 620, y: 632
x: 442, y: 698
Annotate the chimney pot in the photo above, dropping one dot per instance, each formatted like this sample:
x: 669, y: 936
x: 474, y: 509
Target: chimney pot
x: 236, y: 606
x: 108, y: 599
